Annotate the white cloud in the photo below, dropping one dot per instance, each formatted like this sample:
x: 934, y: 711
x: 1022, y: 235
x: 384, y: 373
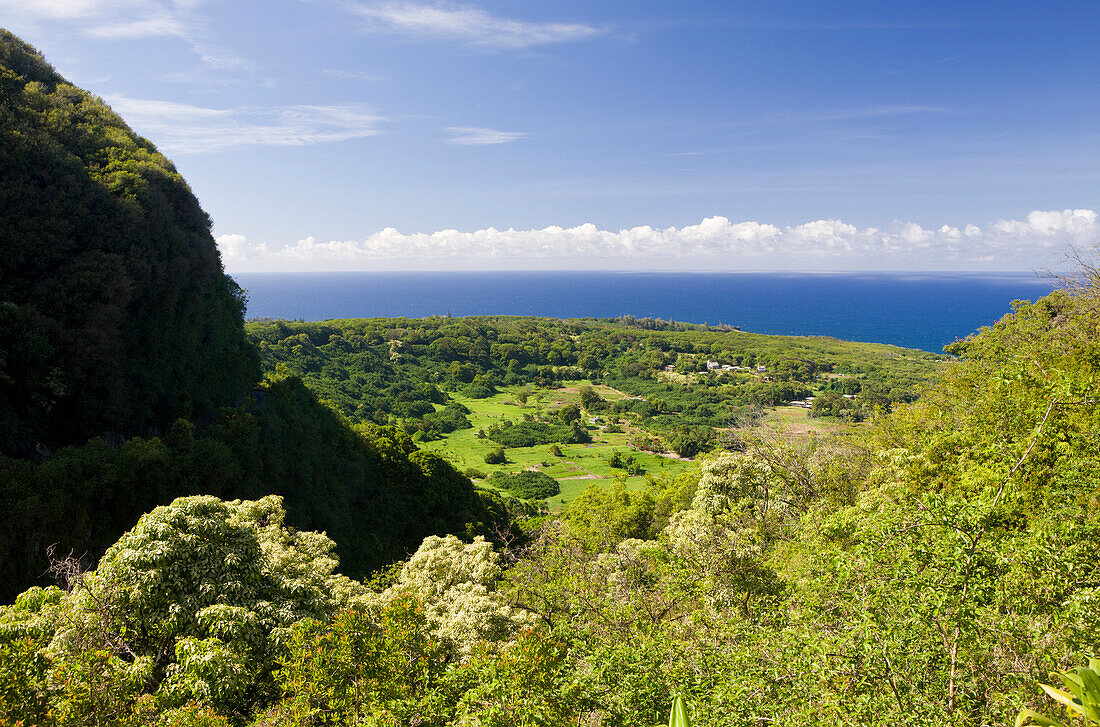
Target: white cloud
x: 716, y: 243
x: 468, y: 24
x: 108, y: 19
x: 1051, y: 227
x: 120, y: 20
x: 472, y: 136
x: 149, y: 27
x: 183, y: 128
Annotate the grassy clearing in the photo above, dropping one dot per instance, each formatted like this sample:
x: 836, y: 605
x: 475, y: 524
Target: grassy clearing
x: 580, y: 464
x: 796, y: 423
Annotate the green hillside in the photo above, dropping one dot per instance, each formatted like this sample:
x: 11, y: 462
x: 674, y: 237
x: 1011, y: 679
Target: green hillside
x: 126, y: 379
x: 115, y: 314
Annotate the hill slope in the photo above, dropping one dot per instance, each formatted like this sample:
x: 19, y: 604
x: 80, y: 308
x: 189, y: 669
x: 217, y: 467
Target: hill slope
x: 126, y: 379
x: 115, y: 314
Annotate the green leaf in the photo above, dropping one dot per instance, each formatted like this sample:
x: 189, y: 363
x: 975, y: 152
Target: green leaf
x: 1064, y: 697
x: 679, y: 716
x: 1028, y: 717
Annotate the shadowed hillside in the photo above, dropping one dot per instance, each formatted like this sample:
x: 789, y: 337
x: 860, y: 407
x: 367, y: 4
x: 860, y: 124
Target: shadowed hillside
x: 115, y: 314
x: 126, y: 379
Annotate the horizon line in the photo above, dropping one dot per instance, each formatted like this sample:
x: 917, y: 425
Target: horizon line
x: 1046, y: 274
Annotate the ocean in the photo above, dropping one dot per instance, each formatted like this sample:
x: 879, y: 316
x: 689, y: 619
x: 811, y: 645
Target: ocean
x: 914, y: 310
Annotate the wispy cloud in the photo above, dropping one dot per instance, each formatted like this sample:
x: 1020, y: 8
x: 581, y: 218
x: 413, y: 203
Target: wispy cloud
x: 159, y: 25
x: 186, y: 129
x: 716, y: 243
x: 108, y: 19
x: 69, y: 9
x: 119, y: 20
x: 467, y: 24
x: 355, y: 75
x: 472, y: 136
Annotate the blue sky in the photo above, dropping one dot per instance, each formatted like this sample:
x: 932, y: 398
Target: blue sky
x: 409, y: 134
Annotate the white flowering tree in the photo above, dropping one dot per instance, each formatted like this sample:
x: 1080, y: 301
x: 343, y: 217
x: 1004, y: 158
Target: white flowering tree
x: 191, y: 606
x: 717, y: 546
x: 458, y: 583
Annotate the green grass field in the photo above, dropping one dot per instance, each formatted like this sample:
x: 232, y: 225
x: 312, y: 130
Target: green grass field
x: 796, y: 423
x: 580, y: 464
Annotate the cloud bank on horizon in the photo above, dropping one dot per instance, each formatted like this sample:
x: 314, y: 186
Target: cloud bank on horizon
x: 715, y: 244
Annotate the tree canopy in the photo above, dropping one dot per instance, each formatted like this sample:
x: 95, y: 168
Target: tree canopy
x: 115, y: 314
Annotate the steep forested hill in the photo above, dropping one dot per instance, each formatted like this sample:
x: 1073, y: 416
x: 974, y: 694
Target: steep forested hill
x: 126, y: 379
x: 115, y: 314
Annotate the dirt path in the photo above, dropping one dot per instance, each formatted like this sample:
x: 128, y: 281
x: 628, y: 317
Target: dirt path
x: 588, y: 474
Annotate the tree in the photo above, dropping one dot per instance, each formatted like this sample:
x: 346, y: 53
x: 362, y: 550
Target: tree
x: 606, y: 514
x: 590, y: 400
x: 192, y: 605
x: 368, y: 662
x: 457, y: 583
x: 569, y: 413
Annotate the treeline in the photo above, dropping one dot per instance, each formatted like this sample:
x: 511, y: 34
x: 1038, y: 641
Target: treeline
x: 384, y: 370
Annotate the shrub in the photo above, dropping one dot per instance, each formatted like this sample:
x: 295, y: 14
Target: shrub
x: 569, y: 413
x: 528, y: 434
x: 527, y: 485
x: 203, y: 587
x: 496, y: 456
x: 477, y: 391
x: 590, y: 400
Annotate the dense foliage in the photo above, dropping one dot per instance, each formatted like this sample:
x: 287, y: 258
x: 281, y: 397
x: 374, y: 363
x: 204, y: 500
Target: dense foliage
x: 193, y: 604
x: 369, y: 488
x: 526, y: 485
x: 927, y: 569
x: 383, y: 370
x: 115, y: 315
x: 528, y: 434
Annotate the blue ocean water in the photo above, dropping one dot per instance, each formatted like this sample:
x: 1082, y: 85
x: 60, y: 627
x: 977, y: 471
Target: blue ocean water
x: 915, y: 310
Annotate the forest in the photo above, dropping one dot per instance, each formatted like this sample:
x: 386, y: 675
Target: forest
x: 399, y: 370
x: 274, y: 544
